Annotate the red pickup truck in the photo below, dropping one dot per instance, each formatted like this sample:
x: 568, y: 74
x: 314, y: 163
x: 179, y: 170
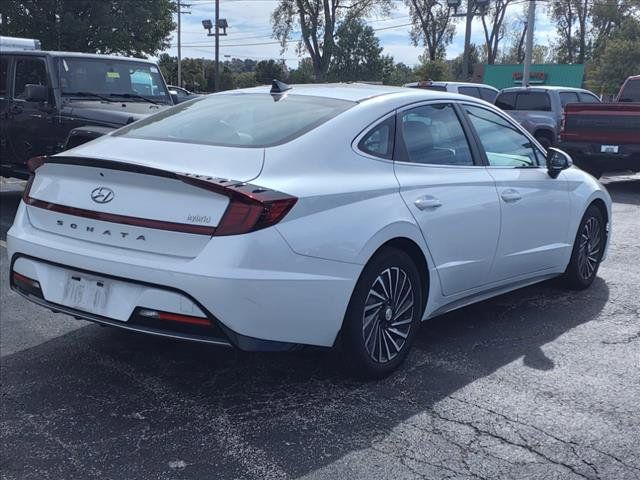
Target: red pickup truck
x: 605, y: 137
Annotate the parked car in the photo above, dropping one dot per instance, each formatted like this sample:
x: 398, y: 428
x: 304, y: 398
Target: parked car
x: 539, y: 109
x: 180, y: 95
x: 476, y: 90
x: 330, y: 215
x: 51, y: 101
x: 605, y: 137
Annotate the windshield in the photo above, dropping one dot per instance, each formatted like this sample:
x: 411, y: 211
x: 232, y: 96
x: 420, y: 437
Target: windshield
x: 631, y: 92
x: 106, y: 77
x: 238, y: 120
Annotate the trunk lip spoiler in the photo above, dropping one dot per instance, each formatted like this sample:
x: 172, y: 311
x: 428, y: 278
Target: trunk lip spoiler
x: 114, y: 217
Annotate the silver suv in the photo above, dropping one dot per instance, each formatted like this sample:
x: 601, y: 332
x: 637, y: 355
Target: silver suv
x: 477, y: 90
x: 539, y: 109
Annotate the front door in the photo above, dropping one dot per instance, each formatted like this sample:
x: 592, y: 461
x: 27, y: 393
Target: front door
x: 30, y: 130
x: 452, y: 197
x: 535, y: 207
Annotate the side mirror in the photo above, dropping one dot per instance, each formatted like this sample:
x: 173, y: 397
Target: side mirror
x: 36, y: 93
x: 174, y: 97
x: 557, y: 160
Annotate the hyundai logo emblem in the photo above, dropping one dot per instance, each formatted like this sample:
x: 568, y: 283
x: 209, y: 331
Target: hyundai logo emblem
x: 102, y: 195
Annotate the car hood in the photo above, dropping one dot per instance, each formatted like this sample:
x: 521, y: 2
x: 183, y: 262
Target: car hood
x: 113, y: 113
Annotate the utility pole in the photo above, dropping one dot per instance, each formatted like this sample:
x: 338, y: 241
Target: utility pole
x: 217, y: 25
x: 180, y: 12
x: 467, y: 41
x: 531, y: 18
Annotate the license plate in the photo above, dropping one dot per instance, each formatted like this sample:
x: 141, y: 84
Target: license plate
x: 609, y: 149
x: 86, y: 293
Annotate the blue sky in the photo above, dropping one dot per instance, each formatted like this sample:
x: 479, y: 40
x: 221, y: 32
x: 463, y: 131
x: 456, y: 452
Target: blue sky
x: 249, y: 35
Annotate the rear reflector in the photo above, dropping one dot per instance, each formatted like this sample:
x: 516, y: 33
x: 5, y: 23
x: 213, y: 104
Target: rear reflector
x: 26, y: 284
x: 174, y: 317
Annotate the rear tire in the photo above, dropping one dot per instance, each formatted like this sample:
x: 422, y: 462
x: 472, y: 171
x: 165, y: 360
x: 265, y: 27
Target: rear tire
x: 383, y: 315
x: 588, y: 248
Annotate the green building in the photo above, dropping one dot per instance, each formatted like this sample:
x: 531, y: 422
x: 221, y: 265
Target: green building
x: 503, y: 76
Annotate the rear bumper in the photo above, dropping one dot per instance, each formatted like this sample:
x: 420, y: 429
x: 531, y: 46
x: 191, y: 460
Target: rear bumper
x: 254, y: 287
x: 588, y: 155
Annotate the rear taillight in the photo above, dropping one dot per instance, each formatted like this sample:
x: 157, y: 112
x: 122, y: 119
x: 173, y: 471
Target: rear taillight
x: 250, y: 207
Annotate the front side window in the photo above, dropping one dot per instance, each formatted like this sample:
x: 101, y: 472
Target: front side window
x: 506, y: 101
x: 29, y: 71
x: 504, y: 144
x: 488, y: 95
x: 433, y: 135
x: 588, y: 98
x: 471, y: 91
x: 568, y: 97
x: 238, y: 119
x: 379, y: 140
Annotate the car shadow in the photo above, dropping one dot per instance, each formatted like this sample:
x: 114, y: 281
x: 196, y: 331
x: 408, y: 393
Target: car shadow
x: 9, y: 201
x: 624, y: 190
x: 125, y: 404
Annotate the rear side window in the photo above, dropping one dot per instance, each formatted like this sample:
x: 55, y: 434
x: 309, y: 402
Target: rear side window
x: 433, y: 135
x: 588, y: 98
x: 379, y: 140
x: 539, y: 101
x: 631, y: 91
x: 568, y: 97
x: 238, y: 120
x: 488, y: 95
x: 471, y: 91
x: 29, y: 71
x: 4, y: 67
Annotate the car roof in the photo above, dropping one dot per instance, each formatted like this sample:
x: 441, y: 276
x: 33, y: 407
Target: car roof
x: 50, y: 53
x: 354, y: 92
x: 544, y: 88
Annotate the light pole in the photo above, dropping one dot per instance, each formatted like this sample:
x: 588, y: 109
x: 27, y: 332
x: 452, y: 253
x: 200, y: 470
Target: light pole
x: 180, y: 12
x: 220, y: 23
x: 528, y: 52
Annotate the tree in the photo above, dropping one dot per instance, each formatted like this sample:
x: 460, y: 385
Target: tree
x: 358, y: 54
x: 494, y: 29
x: 304, y: 72
x: 129, y: 27
x: 169, y: 68
x: 317, y: 21
x: 432, y: 26
x: 456, y: 66
x: 572, y: 24
x: 399, y: 74
x: 268, y: 70
x: 617, y: 60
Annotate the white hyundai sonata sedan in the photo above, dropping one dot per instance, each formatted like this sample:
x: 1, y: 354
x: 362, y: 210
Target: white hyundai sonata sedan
x: 328, y: 215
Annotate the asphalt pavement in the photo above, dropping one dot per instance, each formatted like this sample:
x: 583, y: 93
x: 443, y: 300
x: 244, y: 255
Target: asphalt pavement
x: 540, y: 383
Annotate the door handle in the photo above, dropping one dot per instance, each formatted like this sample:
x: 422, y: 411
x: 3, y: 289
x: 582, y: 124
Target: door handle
x: 510, y: 195
x: 427, y: 202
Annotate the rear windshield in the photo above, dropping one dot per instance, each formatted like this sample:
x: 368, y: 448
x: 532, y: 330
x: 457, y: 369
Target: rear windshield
x: 539, y: 101
x: 631, y: 92
x: 238, y: 120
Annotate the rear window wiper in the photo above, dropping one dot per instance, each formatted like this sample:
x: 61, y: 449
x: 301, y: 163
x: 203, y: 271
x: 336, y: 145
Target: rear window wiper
x: 132, y: 95
x: 88, y: 94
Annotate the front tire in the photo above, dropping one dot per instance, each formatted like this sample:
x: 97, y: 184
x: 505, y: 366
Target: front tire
x: 588, y: 248
x: 383, y: 315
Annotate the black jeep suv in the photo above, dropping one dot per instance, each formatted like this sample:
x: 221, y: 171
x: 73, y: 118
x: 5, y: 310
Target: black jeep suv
x: 52, y: 101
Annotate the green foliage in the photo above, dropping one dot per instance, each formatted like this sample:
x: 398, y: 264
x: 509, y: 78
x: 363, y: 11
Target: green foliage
x: 456, y: 66
x: 304, y: 72
x: 433, y: 70
x: 128, y: 27
x: 268, y: 70
x: 432, y: 26
x: 399, y: 74
x: 618, y: 59
x: 246, y: 80
x: 358, y: 54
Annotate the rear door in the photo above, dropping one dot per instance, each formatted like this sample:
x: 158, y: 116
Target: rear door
x: 535, y: 208
x: 451, y: 196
